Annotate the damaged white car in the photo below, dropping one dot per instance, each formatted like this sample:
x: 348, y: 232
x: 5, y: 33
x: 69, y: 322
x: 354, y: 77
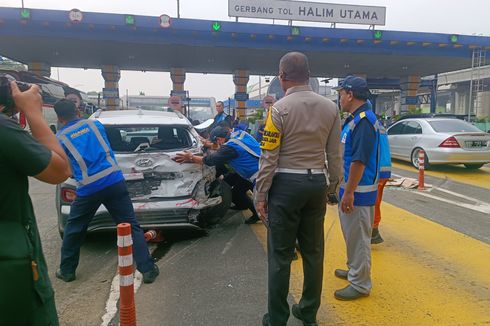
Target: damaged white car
x: 165, y: 194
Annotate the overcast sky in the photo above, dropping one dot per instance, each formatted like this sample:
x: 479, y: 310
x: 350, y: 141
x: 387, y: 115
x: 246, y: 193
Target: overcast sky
x: 440, y: 16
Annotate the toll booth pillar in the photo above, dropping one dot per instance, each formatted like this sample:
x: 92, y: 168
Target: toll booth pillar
x: 178, y: 78
x: 409, y: 86
x: 241, y: 78
x: 40, y: 68
x: 111, y: 75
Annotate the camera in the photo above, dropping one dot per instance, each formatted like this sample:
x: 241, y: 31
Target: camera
x: 6, y: 99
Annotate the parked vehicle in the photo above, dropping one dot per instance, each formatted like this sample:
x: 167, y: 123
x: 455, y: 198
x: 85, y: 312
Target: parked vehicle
x: 165, y: 194
x: 444, y: 141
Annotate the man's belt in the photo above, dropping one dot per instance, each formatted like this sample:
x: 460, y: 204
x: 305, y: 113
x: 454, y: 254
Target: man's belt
x: 301, y: 171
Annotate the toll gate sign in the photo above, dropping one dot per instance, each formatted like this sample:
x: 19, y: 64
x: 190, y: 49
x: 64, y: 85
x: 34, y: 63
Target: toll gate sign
x: 308, y: 11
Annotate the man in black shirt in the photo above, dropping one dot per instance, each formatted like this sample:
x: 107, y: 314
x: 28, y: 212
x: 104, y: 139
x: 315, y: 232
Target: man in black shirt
x: 240, y: 151
x: 26, y: 295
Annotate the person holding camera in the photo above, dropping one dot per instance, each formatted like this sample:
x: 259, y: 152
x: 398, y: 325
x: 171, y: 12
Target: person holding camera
x: 100, y: 182
x: 26, y: 294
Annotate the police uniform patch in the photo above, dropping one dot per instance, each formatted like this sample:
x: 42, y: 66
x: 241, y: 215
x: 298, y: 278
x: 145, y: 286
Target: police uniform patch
x: 272, y: 137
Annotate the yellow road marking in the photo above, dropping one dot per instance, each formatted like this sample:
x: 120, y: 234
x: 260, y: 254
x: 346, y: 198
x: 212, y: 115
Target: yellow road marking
x: 423, y: 274
x: 458, y: 173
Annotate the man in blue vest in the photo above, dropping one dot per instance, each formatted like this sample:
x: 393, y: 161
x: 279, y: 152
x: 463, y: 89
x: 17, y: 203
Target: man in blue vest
x: 360, y: 139
x: 240, y: 151
x: 221, y: 116
x: 100, y: 181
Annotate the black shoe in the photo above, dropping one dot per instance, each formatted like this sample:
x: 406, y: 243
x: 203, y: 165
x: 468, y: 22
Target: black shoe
x: 151, y: 275
x: 252, y: 219
x: 341, y: 273
x: 349, y: 293
x: 66, y: 277
x: 296, y: 310
x: 376, y: 237
x: 266, y: 320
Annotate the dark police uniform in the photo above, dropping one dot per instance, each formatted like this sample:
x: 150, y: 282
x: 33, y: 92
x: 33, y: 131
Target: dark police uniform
x: 302, y: 132
x: 26, y: 295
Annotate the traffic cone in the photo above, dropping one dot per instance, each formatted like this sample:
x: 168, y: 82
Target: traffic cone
x: 127, y: 310
x: 421, y: 170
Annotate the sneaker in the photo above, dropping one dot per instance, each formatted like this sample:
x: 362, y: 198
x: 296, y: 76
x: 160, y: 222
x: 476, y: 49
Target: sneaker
x: 252, y: 219
x: 151, y: 275
x: 348, y: 294
x: 296, y: 310
x: 341, y: 273
x: 376, y: 237
x: 66, y: 277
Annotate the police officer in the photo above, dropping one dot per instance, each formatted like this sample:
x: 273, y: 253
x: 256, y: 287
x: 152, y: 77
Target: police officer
x: 100, y: 181
x: 240, y: 151
x: 360, y: 138
x: 302, y: 130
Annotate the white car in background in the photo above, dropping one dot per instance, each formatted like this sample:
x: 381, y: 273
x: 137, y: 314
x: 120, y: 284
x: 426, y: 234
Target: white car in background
x: 165, y: 194
x: 444, y: 141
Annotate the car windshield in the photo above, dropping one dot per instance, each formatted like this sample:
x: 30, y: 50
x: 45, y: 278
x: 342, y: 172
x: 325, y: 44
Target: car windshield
x: 200, y: 113
x: 452, y: 126
x: 148, y: 138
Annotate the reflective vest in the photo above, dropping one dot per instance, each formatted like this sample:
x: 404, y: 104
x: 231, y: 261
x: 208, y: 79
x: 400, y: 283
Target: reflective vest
x: 385, y: 155
x: 367, y: 189
x: 248, y: 149
x: 92, y: 160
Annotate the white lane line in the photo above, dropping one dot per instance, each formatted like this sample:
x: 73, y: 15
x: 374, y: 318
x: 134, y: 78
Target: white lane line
x: 111, y: 303
x: 479, y: 208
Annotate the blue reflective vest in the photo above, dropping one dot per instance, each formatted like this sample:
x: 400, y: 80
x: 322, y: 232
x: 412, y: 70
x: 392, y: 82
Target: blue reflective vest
x: 367, y: 189
x: 384, y: 147
x: 92, y: 160
x: 385, y: 155
x: 248, y: 149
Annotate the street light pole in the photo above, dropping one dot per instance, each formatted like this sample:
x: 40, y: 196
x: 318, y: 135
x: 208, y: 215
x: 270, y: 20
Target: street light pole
x: 22, y: 4
x: 178, y: 9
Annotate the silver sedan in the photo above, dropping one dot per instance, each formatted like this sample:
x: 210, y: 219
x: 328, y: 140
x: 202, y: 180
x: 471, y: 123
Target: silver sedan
x: 444, y: 140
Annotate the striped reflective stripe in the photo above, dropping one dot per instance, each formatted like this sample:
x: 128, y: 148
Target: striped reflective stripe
x: 368, y: 188
x: 385, y: 168
x: 125, y: 261
x: 86, y: 179
x: 126, y: 280
x: 124, y: 240
x: 253, y: 177
x: 245, y: 147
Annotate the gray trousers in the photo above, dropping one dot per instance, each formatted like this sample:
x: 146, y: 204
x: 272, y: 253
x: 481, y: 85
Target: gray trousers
x: 297, y: 205
x: 357, y: 229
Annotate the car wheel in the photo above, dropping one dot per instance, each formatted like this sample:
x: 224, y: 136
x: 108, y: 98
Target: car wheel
x: 214, y: 214
x: 473, y: 166
x: 415, y: 159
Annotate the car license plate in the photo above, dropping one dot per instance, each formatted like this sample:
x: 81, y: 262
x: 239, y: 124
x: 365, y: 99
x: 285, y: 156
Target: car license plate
x: 476, y: 143
x: 133, y: 176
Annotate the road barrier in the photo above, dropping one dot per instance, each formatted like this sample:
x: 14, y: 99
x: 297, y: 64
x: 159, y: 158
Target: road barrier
x: 127, y: 310
x: 421, y: 170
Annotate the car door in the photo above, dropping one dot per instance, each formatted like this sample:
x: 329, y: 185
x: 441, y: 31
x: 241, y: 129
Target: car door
x: 411, y: 133
x: 394, y: 133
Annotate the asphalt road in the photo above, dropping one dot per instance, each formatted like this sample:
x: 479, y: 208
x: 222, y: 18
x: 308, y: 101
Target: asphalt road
x: 220, y: 278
